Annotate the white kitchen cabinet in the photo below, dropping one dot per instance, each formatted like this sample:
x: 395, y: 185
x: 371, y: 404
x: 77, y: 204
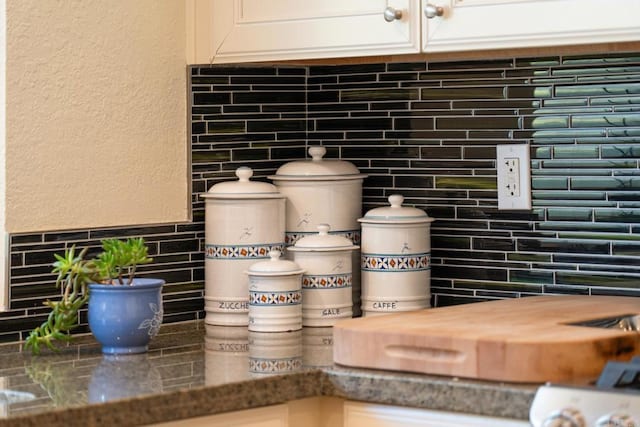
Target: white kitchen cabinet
x: 357, y: 414
x: 223, y: 31
x: 310, y: 412
x: 226, y: 31
x: 497, y: 24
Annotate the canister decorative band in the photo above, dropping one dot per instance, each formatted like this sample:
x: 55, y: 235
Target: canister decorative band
x: 241, y: 251
x: 326, y: 281
x: 414, y: 262
x: 291, y: 237
x: 275, y: 298
x: 274, y: 365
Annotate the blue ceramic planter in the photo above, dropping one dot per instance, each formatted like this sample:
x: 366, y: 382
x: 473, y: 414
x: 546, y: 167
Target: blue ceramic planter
x: 124, y: 318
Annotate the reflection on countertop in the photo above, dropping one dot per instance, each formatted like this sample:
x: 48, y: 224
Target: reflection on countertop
x: 192, y: 369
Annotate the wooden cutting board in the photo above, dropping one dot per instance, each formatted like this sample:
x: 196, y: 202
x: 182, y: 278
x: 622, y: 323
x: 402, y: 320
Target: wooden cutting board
x: 516, y: 340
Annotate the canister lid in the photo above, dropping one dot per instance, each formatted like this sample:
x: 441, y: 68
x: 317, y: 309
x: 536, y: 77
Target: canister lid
x: 396, y: 213
x: 243, y: 188
x: 317, y: 168
x: 275, y: 266
x: 323, y: 241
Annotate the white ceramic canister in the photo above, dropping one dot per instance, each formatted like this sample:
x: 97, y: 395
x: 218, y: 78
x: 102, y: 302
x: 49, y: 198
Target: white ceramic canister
x: 275, y: 295
x: 396, y: 258
x: 244, y: 221
x: 273, y: 353
x: 323, y: 191
x: 328, y: 277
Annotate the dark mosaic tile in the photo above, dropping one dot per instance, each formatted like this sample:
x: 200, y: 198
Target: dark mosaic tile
x: 347, y: 69
x: 448, y: 300
x: 463, y: 93
x: 211, y: 98
x: 477, y: 123
x: 562, y: 245
x: 598, y: 280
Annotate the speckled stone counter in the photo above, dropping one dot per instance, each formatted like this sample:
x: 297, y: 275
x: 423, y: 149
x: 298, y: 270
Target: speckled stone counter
x: 193, y: 370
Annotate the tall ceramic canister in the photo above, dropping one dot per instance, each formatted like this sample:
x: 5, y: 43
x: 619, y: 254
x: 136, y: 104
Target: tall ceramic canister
x: 396, y: 258
x: 328, y: 277
x: 323, y: 191
x: 275, y: 295
x: 244, y: 222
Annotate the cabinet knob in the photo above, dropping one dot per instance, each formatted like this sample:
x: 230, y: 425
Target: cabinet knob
x: 391, y: 14
x: 431, y: 11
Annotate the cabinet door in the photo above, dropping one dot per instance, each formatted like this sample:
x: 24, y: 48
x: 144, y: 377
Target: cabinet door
x: 270, y: 416
x: 492, y: 24
x: 223, y: 31
x: 369, y: 415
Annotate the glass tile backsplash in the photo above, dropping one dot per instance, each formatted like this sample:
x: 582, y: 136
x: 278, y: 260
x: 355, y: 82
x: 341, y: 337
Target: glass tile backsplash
x: 428, y: 131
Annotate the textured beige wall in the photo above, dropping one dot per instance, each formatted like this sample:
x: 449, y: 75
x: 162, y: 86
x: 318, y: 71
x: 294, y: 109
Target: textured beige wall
x: 96, y: 114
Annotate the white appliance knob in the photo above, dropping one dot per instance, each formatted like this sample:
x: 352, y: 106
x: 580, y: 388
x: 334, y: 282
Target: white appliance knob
x: 616, y: 420
x: 567, y: 417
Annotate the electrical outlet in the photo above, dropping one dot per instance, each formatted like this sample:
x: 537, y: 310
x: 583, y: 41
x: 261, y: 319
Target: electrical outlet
x: 514, y: 176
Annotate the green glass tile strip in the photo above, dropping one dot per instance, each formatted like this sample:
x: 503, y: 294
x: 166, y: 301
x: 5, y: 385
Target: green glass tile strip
x: 598, y: 90
x: 541, y: 153
x: 605, y: 120
x: 568, y: 133
x: 571, y: 172
x: 574, y: 203
x: 483, y: 183
x: 528, y: 257
x: 576, y: 110
x: 564, y: 102
x: 585, y: 163
x: 628, y: 249
x: 546, y: 183
x: 614, y: 58
x: 615, y: 100
x: 621, y: 183
x: 598, y: 236
x: 576, y: 151
x: 545, y: 122
x: 583, y: 226
x: 569, y: 214
x: 497, y: 285
x: 621, y: 151
x: 531, y: 276
x: 569, y: 195
x: 211, y: 156
x: 617, y: 215
x: 595, y: 70
x: 590, y: 279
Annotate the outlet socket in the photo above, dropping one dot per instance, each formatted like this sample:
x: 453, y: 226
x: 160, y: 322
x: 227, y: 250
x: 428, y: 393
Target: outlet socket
x: 514, y: 176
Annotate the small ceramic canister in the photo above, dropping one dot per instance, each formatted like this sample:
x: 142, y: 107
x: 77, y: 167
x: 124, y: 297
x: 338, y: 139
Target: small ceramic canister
x: 275, y: 295
x: 326, y: 283
x: 244, y: 221
x: 396, y: 258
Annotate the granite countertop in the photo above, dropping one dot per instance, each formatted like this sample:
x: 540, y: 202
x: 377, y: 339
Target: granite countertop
x: 193, y: 369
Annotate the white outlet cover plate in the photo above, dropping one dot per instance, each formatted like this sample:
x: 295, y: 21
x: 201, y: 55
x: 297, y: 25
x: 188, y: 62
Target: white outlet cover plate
x: 507, y: 201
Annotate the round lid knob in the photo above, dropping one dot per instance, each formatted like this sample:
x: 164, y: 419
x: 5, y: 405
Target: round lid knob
x: 274, y: 266
x: 243, y: 187
x: 323, y: 241
x: 396, y: 212
x: 317, y: 168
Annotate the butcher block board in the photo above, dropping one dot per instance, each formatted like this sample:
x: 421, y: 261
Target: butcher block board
x: 528, y: 340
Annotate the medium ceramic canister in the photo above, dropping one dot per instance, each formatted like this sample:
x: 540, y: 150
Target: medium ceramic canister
x: 396, y: 258
x: 323, y: 191
x: 328, y: 277
x: 275, y: 295
x: 244, y: 221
